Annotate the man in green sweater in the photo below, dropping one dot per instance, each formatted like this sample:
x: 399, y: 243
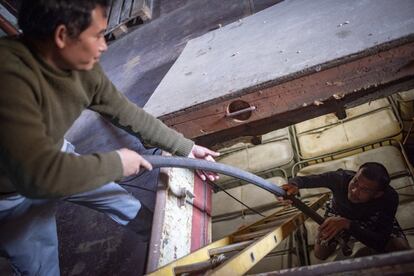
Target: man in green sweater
x: 48, y: 76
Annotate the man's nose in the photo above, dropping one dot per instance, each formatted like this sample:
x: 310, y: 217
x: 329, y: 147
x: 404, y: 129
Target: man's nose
x: 103, y: 47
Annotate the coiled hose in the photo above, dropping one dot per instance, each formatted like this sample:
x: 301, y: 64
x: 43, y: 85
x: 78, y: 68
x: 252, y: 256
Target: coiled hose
x: 199, y: 164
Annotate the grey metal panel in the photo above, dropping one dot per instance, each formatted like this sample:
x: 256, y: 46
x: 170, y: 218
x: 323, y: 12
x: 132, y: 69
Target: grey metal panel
x: 258, y: 5
x: 277, y: 42
x: 137, y: 62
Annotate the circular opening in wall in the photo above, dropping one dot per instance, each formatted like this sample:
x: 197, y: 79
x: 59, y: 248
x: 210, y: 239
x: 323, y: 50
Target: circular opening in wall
x: 240, y: 110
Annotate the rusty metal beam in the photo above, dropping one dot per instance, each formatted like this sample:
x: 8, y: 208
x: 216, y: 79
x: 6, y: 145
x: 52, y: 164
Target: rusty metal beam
x: 397, y: 263
x: 378, y: 72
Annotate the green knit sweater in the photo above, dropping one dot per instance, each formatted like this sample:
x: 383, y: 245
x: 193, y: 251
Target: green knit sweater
x: 38, y: 104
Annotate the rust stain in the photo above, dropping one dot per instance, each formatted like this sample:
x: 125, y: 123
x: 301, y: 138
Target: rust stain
x: 345, y: 81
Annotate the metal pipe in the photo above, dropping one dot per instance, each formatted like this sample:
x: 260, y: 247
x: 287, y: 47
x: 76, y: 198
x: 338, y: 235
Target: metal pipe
x: 241, y: 111
x: 399, y: 263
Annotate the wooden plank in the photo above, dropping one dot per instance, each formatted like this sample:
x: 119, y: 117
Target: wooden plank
x: 269, y: 224
x: 198, y: 267
x: 308, y: 96
x: 230, y: 248
x: 142, y: 9
x: 254, y: 235
x: 257, y: 49
x: 200, y: 255
x: 282, y: 74
x: 126, y: 11
x: 115, y: 15
x: 109, y: 10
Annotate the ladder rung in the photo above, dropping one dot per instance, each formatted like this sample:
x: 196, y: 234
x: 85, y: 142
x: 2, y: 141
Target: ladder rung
x: 252, y: 235
x: 229, y: 248
x: 272, y: 217
x: 285, y: 212
x: 251, y: 246
x: 200, y: 266
x: 266, y: 225
x: 279, y: 217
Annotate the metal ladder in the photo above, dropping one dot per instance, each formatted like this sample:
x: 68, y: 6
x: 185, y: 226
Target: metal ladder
x: 239, y: 252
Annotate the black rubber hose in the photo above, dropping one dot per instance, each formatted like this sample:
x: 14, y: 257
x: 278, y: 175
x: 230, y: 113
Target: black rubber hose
x: 198, y: 164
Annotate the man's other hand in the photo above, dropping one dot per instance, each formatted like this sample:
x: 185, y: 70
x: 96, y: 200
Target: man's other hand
x: 132, y: 162
x: 200, y: 152
x: 332, y: 226
x: 290, y: 189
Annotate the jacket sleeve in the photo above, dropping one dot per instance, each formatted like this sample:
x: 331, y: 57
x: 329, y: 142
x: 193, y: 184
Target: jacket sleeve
x: 326, y: 180
x: 32, y: 160
x: 383, y: 225
x: 114, y: 106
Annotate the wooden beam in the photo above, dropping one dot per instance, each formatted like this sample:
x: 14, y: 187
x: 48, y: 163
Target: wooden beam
x: 274, y: 68
x: 313, y: 93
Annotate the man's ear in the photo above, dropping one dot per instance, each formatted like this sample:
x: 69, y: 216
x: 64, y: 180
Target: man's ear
x: 61, y: 36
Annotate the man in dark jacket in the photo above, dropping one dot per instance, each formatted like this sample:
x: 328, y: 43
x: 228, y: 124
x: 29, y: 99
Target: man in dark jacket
x: 363, y: 205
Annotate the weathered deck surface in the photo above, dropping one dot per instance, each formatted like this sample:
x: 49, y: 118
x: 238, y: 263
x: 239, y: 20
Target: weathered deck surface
x: 284, y: 59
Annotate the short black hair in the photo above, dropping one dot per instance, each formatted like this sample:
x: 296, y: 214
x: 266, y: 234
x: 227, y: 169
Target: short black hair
x: 38, y: 19
x: 376, y: 172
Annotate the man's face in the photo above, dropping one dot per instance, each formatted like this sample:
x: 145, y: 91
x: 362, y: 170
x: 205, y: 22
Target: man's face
x: 361, y: 189
x: 82, y: 52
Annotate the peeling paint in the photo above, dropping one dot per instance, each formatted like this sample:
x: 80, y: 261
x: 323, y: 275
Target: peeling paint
x: 176, y: 230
